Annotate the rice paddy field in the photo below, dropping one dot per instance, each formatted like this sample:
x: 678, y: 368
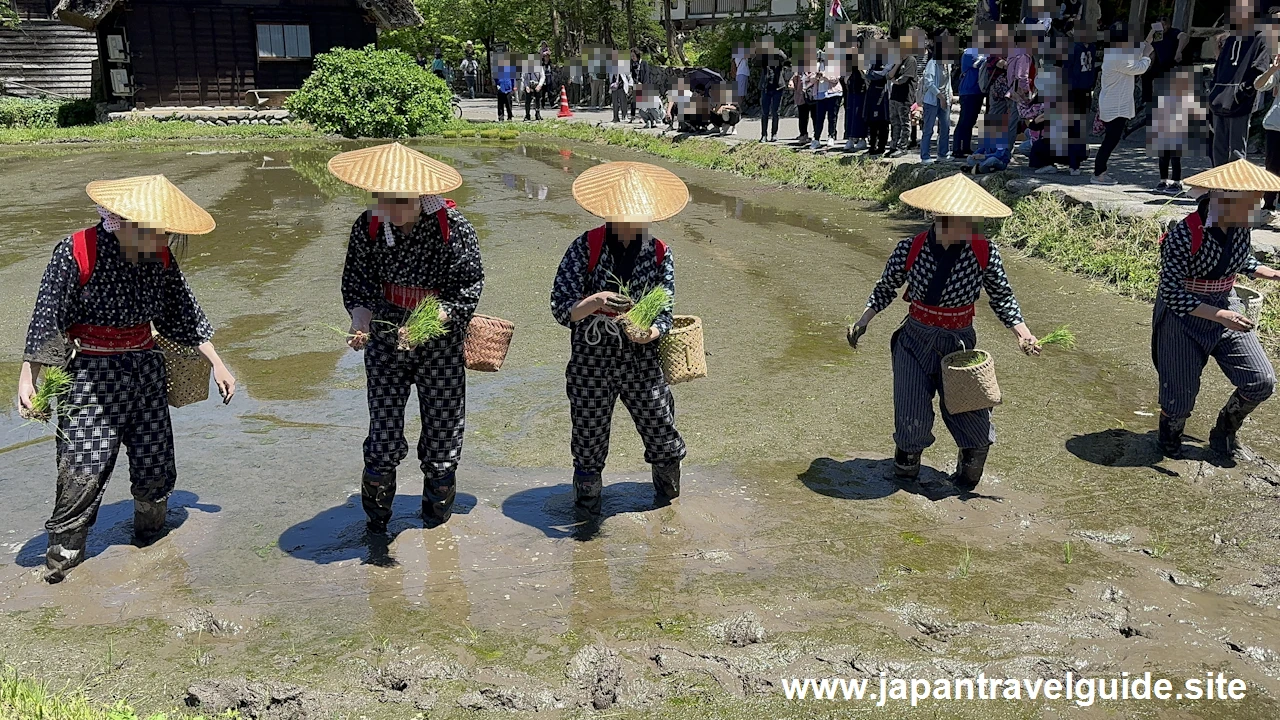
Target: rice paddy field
x: 792, y: 553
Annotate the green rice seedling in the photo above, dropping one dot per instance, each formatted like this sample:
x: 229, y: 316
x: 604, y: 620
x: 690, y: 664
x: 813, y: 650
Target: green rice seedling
x: 972, y: 358
x: 1066, y: 552
x: 1062, y: 337
x: 489, y: 133
x: 449, y: 134
x: 423, y: 324
x: 57, y: 383
x: 966, y: 563
x: 648, y: 308
x: 466, y: 133
x: 509, y: 134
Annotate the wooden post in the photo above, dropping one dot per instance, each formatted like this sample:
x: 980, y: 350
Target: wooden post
x: 1138, y: 18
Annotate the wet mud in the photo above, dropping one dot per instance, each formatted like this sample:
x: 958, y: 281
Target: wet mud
x: 792, y: 553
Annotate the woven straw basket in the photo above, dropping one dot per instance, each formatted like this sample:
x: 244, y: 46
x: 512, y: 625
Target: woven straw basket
x: 488, y: 339
x: 682, y: 352
x: 965, y: 389
x: 1252, y: 302
x: 187, y: 371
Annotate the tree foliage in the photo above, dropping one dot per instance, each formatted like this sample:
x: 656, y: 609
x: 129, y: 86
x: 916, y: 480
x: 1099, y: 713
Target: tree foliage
x: 372, y: 93
x: 8, y: 16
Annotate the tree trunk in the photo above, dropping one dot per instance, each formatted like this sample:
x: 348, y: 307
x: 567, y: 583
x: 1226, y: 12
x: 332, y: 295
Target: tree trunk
x: 671, y: 35
x: 630, y: 7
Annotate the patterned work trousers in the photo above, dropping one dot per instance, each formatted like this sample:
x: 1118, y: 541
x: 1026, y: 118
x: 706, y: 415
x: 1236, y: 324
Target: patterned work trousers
x: 917, y: 376
x: 438, y: 371
x: 596, y: 377
x: 115, y: 399
x: 1182, y: 346
x: 899, y: 124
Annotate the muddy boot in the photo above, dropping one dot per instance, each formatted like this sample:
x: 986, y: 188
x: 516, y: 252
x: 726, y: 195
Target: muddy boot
x: 587, y: 501
x: 906, y: 466
x: 148, y: 521
x: 666, y: 482
x: 66, y: 550
x: 437, y: 500
x: 969, y: 468
x: 1171, y: 436
x: 377, y: 491
x: 1222, y: 438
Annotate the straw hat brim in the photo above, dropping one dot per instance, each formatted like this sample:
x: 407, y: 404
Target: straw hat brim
x: 956, y: 196
x: 1238, y: 176
x: 630, y: 192
x: 152, y: 201
x: 395, y: 170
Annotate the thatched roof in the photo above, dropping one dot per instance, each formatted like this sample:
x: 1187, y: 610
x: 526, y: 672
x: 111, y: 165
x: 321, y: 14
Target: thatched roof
x: 390, y: 14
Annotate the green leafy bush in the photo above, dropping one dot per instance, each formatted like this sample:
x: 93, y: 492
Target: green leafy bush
x: 372, y: 93
x: 35, y: 113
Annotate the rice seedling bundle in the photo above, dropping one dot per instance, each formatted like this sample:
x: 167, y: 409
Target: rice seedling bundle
x: 466, y: 133
x: 57, y: 383
x: 449, y: 133
x: 509, y: 134
x: 970, y: 359
x: 489, y: 133
x: 1062, y: 337
x: 640, y: 318
x: 423, y: 324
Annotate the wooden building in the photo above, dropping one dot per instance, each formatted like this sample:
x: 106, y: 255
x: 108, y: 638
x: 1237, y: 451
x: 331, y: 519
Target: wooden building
x: 42, y: 57
x: 212, y: 52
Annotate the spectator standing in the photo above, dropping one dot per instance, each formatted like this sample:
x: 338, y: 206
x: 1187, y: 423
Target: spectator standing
x: 504, y: 82
x: 855, y: 100
x: 1121, y: 63
x: 599, y: 82
x: 531, y: 86
x: 741, y: 72
x: 1082, y: 75
x: 936, y: 99
x: 802, y: 96
x: 470, y: 69
x: 972, y: 63
x: 903, y: 77
x: 827, y: 95
x: 876, y: 105
x: 771, y: 87
x: 1169, y: 42
x: 620, y: 87
x: 1271, y: 130
x: 640, y: 73
x: 1018, y: 67
x: 1177, y: 121
x: 437, y: 65
x: 1243, y: 58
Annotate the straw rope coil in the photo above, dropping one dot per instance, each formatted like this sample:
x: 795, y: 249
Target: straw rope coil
x: 682, y: 352
x: 972, y: 387
x: 186, y: 372
x: 488, y: 339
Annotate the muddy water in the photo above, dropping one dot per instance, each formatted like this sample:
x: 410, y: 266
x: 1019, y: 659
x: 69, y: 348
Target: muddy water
x: 788, y: 512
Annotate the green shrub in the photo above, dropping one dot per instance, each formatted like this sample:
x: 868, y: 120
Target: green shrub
x: 35, y: 113
x: 372, y: 93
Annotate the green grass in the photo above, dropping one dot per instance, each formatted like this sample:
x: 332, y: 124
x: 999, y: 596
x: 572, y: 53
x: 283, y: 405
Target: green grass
x: 144, y: 130
x: 25, y: 699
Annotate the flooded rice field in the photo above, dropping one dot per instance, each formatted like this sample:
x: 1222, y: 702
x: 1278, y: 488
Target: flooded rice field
x: 791, y: 554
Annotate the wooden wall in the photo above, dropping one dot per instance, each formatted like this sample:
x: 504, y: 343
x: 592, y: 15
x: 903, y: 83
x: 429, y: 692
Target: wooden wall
x: 204, y: 52
x: 46, y: 54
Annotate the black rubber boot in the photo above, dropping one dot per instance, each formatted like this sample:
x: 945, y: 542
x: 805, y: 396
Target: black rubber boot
x: 587, y: 501
x: 66, y: 550
x: 148, y: 521
x: 437, y: 500
x: 1171, y: 436
x: 1222, y: 438
x: 376, y: 495
x: 969, y: 467
x: 906, y: 466
x: 666, y: 482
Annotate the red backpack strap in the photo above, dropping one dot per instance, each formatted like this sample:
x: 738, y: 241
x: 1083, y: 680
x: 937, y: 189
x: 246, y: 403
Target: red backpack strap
x: 442, y: 216
x: 1195, y: 225
x: 595, y: 243
x: 659, y: 250
x: 981, y: 250
x: 84, y: 248
x: 917, y: 244
x: 375, y: 224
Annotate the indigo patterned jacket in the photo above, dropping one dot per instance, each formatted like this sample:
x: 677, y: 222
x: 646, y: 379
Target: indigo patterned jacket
x: 119, y: 294
x: 1209, y: 263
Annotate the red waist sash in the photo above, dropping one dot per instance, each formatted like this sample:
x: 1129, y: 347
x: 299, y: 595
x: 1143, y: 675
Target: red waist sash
x: 946, y: 318
x: 404, y: 296
x: 1209, y: 287
x: 103, y: 340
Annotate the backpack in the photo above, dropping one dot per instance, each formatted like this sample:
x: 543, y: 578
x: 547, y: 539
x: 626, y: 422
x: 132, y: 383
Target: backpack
x: 595, y: 243
x: 84, y: 248
x: 981, y: 250
x: 442, y: 216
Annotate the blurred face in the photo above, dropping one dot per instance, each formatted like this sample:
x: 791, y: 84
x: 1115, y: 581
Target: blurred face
x: 1242, y: 13
x: 399, y: 210
x: 955, y: 229
x: 629, y: 229
x: 1234, y: 210
x: 141, y: 243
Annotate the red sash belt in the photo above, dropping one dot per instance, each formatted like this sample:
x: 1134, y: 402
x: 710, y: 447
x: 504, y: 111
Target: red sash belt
x: 406, y: 297
x: 1209, y: 287
x: 103, y: 340
x: 946, y: 318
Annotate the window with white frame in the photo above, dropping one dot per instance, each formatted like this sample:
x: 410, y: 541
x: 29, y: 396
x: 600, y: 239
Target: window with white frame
x: 284, y: 42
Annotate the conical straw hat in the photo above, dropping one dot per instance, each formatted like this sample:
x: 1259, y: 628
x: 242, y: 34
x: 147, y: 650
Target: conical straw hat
x: 394, y: 169
x: 630, y: 192
x: 1238, y: 176
x: 152, y: 201
x: 956, y: 195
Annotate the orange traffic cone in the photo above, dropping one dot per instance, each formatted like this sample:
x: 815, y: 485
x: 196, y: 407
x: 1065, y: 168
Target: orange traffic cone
x: 564, y: 104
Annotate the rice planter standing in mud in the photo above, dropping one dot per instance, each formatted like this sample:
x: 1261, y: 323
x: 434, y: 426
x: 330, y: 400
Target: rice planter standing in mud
x: 945, y: 268
x: 614, y: 346
x: 106, y: 293
x: 1198, y: 313
x: 412, y: 253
